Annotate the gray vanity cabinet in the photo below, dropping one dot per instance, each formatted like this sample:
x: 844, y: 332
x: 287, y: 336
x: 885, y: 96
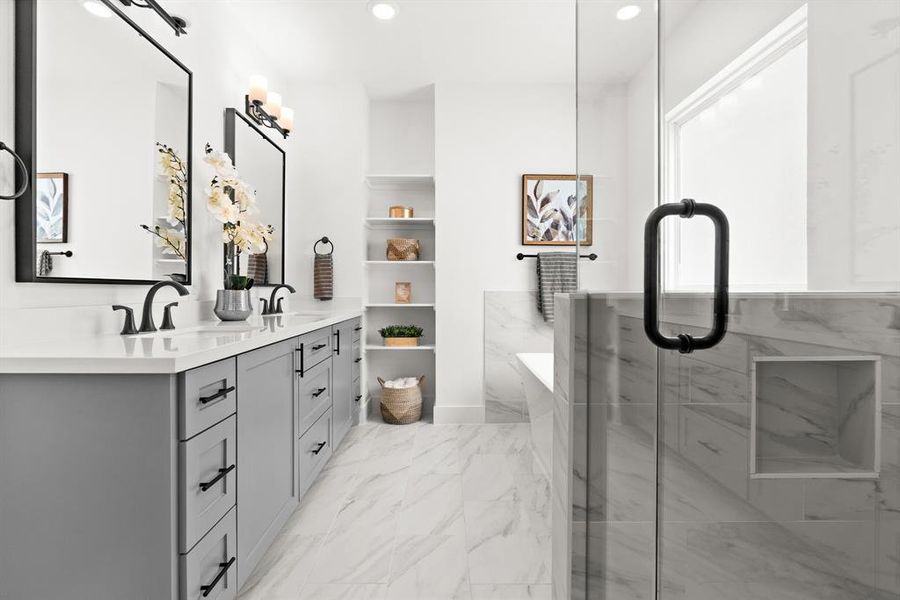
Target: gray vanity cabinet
x: 342, y: 368
x: 267, y: 493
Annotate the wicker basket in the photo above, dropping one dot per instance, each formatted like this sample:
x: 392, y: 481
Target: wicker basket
x: 402, y: 249
x: 401, y: 406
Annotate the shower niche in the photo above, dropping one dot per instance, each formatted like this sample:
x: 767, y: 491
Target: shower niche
x: 815, y: 417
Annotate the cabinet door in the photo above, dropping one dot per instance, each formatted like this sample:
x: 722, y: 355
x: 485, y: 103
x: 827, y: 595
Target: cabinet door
x: 342, y: 367
x: 266, y: 483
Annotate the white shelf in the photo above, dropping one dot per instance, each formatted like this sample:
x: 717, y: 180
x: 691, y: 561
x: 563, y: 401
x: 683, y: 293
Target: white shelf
x: 396, y: 305
x: 400, y: 262
x: 408, y: 180
x: 170, y: 260
x: 373, y: 347
x: 398, y: 223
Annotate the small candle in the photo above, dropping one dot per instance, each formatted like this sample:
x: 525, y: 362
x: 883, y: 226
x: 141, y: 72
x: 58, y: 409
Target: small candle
x: 287, y: 118
x: 273, y: 104
x: 259, y: 87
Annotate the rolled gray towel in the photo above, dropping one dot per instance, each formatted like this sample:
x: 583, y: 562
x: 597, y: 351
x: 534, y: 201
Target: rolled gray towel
x: 45, y: 264
x: 323, y: 277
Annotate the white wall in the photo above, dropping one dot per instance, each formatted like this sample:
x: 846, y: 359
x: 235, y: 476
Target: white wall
x: 222, y: 57
x: 400, y: 136
x: 486, y: 138
x: 326, y: 166
x: 854, y: 145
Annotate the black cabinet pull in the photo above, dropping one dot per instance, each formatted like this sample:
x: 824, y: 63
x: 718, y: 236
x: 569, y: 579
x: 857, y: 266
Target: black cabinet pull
x: 301, y: 369
x: 337, y: 349
x: 206, y: 589
x: 319, y: 392
x: 684, y: 342
x: 318, y: 347
x: 221, y: 393
x: 358, y: 398
x: 222, y: 473
x: 358, y: 360
x: 319, y: 448
x: 357, y: 328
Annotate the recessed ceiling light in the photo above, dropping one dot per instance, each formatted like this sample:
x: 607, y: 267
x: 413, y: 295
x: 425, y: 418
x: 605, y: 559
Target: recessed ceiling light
x: 98, y: 9
x: 384, y: 11
x: 626, y: 13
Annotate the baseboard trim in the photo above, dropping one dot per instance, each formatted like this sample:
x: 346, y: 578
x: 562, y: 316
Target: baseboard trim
x: 444, y: 414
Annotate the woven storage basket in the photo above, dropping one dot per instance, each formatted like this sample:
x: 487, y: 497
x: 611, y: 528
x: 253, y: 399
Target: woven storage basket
x: 402, y: 249
x: 401, y: 406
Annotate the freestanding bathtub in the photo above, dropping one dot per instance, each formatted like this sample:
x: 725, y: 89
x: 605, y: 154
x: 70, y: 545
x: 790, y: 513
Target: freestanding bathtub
x: 537, y: 377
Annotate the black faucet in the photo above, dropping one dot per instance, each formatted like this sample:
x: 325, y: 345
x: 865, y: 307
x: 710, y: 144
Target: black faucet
x: 270, y: 307
x: 147, y: 324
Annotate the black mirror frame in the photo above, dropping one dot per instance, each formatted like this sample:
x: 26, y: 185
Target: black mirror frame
x: 26, y: 142
x: 230, y: 114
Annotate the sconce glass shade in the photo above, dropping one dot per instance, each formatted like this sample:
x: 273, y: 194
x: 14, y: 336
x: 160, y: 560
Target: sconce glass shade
x: 259, y: 89
x: 273, y: 104
x: 287, y: 118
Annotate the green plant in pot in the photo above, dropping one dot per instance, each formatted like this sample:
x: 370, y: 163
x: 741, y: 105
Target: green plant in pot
x: 234, y: 303
x: 401, y: 335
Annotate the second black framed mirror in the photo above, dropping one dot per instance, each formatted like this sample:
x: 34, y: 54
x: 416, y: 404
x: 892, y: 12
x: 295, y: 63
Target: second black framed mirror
x: 261, y: 163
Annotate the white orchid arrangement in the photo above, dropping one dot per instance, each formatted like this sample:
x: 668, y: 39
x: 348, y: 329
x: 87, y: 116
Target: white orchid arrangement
x: 172, y: 239
x: 233, y: 202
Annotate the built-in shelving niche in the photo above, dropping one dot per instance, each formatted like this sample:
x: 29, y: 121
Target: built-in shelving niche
x: 815, y: 417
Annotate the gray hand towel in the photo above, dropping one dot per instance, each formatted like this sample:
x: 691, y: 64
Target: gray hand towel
x: 557, y: 274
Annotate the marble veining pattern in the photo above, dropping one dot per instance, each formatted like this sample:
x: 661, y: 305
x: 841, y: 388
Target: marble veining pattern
x: 417, y: 512
x: 724, y: 535
x: 511, y: 325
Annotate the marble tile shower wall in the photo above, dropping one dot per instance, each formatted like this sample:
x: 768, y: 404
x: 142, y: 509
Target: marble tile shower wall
x: 724, y: 534
x: 511, y: 325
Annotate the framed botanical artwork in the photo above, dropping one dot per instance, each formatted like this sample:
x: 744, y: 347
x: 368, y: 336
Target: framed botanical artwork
x: 556, y: 209
x: 52, y: 208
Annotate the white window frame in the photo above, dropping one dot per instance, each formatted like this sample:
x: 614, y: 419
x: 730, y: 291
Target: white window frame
x: 786, y: 36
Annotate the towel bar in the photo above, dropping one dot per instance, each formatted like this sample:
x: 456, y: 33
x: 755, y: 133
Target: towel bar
x: 521, y: 256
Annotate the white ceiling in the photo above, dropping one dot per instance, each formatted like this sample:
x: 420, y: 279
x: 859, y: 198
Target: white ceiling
x: 508, y: 41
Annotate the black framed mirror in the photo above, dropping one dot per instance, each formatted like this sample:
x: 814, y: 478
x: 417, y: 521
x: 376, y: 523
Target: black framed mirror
x: 261, y: 163
x: 103, y: 121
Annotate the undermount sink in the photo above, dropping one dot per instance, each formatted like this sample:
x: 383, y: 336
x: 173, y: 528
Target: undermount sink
x: 202, y: 331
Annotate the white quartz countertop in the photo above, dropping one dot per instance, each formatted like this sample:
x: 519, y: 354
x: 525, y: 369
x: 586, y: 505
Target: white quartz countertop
x: 165, y: 351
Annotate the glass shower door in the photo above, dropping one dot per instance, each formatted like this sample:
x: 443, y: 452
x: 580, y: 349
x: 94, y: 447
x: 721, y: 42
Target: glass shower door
x: 778, y: 449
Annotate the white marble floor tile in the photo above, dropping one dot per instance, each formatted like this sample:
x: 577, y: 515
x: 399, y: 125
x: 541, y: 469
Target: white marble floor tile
x: 283, y: 569
x: 339, y: 591
x: 429, y: 566
x: 422, y: 511
x: 510, y: 592
x: 488, y: 477
x: 433, y: 506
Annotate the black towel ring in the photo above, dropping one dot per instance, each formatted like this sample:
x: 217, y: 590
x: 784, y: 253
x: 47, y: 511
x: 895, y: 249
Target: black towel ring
x: 18, y: 193
x: 324, y: 240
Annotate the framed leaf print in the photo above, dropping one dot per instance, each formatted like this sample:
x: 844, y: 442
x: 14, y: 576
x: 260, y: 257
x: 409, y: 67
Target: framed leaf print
x: 52, y: 207
x: 556, y: 209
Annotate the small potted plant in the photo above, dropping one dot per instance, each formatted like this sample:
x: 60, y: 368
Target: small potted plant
x: 401, y: 335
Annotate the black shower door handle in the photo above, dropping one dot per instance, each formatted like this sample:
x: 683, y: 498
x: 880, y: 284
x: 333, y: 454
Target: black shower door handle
x: 684, y: 342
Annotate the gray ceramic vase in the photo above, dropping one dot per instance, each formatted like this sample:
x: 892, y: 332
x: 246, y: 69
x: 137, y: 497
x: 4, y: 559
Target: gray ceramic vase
x: 233, y: 305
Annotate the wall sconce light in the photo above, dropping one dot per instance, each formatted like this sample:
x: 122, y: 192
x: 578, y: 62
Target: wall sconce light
x: 175, y: 22
x: 265, y: 108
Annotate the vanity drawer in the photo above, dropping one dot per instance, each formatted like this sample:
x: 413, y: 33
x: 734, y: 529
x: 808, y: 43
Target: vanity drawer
x: 315, y: 449
x: 314, y: 395
x: 206, y: 395
x: 211, y: 566
x: 314, y: 348
x: 357, y: 330
x: 207, y: 481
